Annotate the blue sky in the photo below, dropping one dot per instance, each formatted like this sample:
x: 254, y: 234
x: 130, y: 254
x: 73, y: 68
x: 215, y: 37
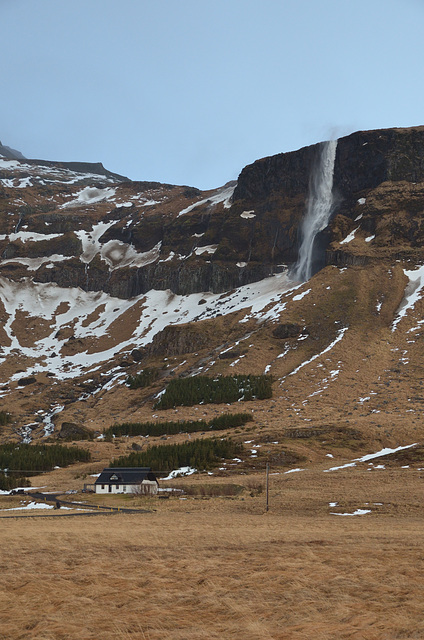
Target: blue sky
x: 190, y: 91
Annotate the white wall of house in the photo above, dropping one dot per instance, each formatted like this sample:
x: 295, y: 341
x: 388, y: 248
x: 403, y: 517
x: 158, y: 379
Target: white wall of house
x: 147, y: 486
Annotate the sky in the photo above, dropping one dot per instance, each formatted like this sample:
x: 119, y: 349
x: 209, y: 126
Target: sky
x: 191, y: 91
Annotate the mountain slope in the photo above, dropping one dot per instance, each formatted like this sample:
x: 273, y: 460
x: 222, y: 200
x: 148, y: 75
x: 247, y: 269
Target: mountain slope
x: 101, y: 277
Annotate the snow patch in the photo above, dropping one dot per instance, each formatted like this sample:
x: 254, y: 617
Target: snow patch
x: 182, y: 471
x: 358, y: 512
x: 93, y: 314
x: 326, y: 350
x: 9, y: 164
x: 48, y: 420
x: 118, y: 254
x: 209, y: 249
x: 412, y: 293
x: 301, y: 295
x: 33, y: 264
x: 26, y: 236
x: 350, y: 237
x: 372, y: 456
x: 31, y: 505
x: 90, y: 195
x: 223, y: 195
x: 90, y: 240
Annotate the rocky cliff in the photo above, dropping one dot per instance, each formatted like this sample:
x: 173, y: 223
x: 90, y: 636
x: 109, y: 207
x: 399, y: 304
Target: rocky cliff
x: 98, y: 231
x: 378, y: 188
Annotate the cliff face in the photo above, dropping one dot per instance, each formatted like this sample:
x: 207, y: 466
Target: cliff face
x: 80, y: 225
x: 363, y: 161
x: 76, y: 225
x: 367, y: 158
x: 377, y: 183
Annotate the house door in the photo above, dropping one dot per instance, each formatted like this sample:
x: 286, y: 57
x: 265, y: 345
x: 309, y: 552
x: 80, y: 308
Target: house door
x: 110, y: 488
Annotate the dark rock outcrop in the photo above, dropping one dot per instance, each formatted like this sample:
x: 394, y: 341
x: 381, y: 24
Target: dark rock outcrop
x: 72, y: 431
x: 181, y: 277
x: 80, y: 167
x: 346, y: 259
x: 284, y: 331
x: 9, y: 153
x: 230, y: 354
x: 24, y: 382
x: 178, y: 339
x: 365, y: 159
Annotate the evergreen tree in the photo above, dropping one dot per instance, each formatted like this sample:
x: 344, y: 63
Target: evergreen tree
x: 33, y: 458
x: 143, y: 379
x: 205, y: 390
x: 224, y: 421
x: 198, y: 454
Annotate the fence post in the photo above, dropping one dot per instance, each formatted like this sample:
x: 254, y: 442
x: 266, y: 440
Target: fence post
x: 267, y: 486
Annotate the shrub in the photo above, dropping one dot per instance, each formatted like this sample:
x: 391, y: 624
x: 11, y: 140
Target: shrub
x: 224, y: 421
x: 211, y: 489
x: 204, y: 389
x: 255, y: 487
x: 199, y: 454
x: 142, y: 379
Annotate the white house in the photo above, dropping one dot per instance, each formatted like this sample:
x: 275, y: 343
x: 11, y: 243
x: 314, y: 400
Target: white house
x: 127, y: 480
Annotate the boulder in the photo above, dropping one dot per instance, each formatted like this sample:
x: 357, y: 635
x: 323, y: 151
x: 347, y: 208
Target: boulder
x: 289, y: 330
x: 23, y: 382
x: 72, y: 431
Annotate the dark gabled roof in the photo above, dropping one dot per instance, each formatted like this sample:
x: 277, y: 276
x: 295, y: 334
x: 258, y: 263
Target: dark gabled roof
x: 125, y: 475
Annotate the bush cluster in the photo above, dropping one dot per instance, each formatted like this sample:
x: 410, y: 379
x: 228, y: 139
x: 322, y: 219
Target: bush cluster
x: 33, y: 458
x: 199, y: 454
x: 224, y: 421
x: 142, y: 379
x: 204, y: 389
x: 210, y: 489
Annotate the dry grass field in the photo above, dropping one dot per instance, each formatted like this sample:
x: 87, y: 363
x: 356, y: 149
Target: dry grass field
x: 223, y: 568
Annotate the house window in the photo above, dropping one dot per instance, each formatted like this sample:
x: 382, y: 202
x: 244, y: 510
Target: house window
x: 124, y: 488
x: 117, y: 487
x: 103, y: 487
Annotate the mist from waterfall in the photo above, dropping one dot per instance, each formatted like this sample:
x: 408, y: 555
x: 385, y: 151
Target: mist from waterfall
x: 319, y: 209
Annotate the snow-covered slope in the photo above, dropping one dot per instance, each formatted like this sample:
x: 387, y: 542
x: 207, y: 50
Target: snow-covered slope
x: 98, y: 319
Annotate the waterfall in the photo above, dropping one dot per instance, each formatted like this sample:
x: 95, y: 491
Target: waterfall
x: 319, y: 209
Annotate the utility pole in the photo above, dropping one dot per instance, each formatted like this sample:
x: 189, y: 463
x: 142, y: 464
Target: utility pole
x: 267, y: 486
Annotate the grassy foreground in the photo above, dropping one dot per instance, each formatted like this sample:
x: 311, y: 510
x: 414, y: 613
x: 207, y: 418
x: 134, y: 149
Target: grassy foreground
x: 219, y: 569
